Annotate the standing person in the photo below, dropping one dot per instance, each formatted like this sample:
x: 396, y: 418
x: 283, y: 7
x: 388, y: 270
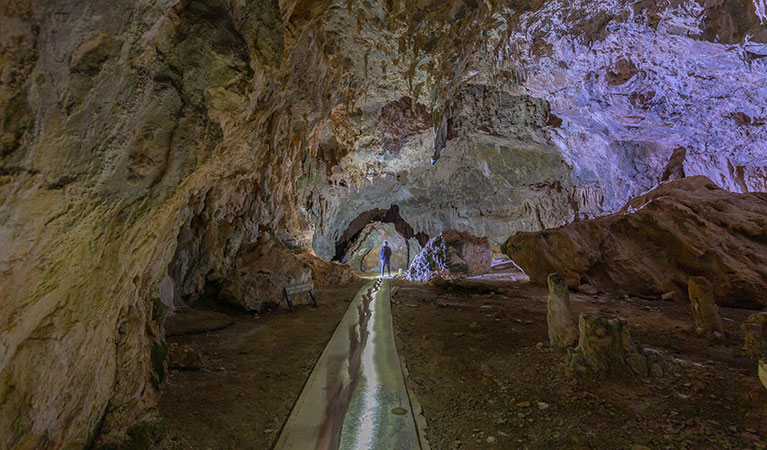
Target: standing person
x: 385, y: 258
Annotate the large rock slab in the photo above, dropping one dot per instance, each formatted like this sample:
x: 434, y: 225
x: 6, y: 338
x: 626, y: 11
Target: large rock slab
x: 685, y: 227
x: 451, y: 255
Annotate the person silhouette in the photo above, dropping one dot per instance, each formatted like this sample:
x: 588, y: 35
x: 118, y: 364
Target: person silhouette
x: 385, y: 258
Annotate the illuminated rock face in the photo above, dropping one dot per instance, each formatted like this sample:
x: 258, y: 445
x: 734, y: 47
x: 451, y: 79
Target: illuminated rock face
x: 144, y: 144
x: 682, y: 228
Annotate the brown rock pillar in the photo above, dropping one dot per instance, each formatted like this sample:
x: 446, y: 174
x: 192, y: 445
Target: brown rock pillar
x: 704, y: 309
x: 755, y: 331
x: 562, y: 331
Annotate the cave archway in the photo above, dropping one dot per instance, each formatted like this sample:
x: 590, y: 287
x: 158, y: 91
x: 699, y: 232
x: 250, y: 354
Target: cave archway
x: 365, y: 223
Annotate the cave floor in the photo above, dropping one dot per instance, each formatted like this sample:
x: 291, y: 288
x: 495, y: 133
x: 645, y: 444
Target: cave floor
x: 480, y: 366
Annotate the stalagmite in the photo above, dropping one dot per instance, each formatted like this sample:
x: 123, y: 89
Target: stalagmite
x: 562, y: 332
x: 755, y: 331
x: 605, y: 347
x: 704, y: 309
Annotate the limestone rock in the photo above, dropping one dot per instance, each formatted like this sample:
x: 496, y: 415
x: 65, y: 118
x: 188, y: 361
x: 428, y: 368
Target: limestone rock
x: 755, y: 331
x: 324, y: 273
x: 763, y: 372
x: 261, y: 273
x: 705, y: 313
x: 184, y: 357
x: 605, y: 347
x: 562, y: 331
x: 686, y: 226
x: 451, y: 255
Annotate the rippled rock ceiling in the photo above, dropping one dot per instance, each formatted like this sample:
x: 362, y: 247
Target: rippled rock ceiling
x: 146, y: 142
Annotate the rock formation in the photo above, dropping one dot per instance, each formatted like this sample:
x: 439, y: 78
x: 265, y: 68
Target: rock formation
x: 449, y: 256
x: 262, y: 273
x: 605, y: 347
x: 562, y: 331
x: 324, y: 273
x: 682, y: 228
x: 755, y: 331
x: 763, y: 372
x: 145, y: 146
x: 705, y: 313
x: 184, y: 357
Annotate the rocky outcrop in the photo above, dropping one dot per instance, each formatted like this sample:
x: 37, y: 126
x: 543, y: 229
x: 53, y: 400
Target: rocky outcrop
x: 449, y: 256
x: 705, y: 313
x: 562, y: 331
x: 755, y: 331
x: 261, y: 273
x: 605, y: 348
x: 324, y: 273
x: 683, y: 228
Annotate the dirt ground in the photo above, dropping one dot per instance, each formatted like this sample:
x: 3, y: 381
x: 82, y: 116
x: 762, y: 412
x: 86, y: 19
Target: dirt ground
x: 253, y: 372
x: 480, y: 366
x: 482, y: 369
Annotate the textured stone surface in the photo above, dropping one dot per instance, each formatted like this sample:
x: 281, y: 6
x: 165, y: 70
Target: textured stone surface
x: 705, y: 313
x: 451, y: 255
x: 755, y: 332
x: 324, y: 273
x: 605, y: 347
x: 763, y: 372
x: 144, y: 143
x: 262, y: 274
x: 562, y: 331
x: 682, y: 228
x: 184, y: 357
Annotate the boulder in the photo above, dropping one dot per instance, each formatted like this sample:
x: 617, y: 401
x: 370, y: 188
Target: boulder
x: 260, y: 274
x: 324, y: 273
x: 605, y: 347
x: 451, y: 255
x: 684, y: 227
x: 755, y: 331
x: 562, y: 331
x: 184, y: 357
x: 705, y: 313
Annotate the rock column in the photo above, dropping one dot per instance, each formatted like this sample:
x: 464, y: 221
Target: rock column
x: 755, y: 331
x: 562, y: 331
x: 704, y: 309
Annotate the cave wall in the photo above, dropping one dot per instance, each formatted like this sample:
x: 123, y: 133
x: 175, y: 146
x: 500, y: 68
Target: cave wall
x: 145, y: 143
